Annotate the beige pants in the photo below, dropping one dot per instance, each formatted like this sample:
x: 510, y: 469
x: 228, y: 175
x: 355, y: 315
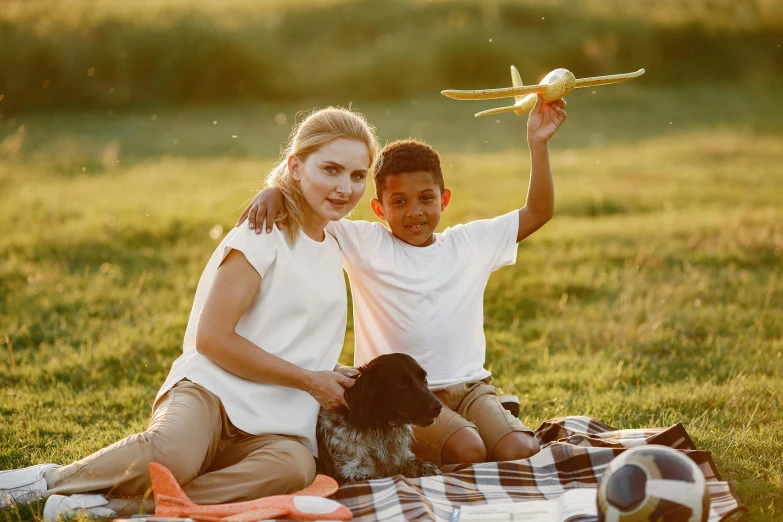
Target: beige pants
x: 191, y: 435
x: 473, y: 404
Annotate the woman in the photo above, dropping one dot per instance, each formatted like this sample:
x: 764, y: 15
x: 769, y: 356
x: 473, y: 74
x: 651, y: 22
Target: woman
x: 235, y: 419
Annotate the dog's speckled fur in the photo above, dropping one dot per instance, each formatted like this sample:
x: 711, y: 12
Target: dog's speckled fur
x: 373, y: 439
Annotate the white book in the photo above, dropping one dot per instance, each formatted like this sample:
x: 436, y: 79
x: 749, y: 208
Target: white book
x: 571, y: 505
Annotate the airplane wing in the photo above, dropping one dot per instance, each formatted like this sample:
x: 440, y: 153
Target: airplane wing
x: 493, y: 94
x: 606, y: 80
x: 255, y: 515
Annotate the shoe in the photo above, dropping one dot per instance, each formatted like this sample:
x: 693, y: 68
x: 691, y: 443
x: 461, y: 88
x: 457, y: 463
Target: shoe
x: 511, y: 403
x: 23, y: 485
x: 66, y: 506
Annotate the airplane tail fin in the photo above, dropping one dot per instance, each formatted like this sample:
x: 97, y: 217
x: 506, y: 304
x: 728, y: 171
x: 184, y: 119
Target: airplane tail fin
x: 516, y: 81
x: 323, y: 486
x: 169, y: 496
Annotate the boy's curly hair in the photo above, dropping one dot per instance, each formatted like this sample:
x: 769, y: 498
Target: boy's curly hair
x: 404, y: 156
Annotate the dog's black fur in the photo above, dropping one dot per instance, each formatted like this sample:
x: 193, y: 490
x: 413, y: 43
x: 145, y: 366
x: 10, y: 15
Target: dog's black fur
x: 373, y: 439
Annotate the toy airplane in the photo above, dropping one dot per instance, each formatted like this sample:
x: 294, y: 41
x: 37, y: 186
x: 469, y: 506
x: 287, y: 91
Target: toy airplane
x: 308, y: 504
x: 555, y: 85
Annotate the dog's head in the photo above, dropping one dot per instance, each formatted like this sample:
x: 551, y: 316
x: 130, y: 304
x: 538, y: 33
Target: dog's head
x: 391, y: 389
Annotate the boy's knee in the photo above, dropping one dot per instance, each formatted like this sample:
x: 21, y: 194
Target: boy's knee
x: 515, y: 446
x: 464, y: 447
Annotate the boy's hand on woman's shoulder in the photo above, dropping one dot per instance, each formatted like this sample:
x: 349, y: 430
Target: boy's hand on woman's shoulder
x: 544, y: 120
x: 264, y: 207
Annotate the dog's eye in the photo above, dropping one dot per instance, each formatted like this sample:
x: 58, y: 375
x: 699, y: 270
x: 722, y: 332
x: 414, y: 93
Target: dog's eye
x: 403, y: 383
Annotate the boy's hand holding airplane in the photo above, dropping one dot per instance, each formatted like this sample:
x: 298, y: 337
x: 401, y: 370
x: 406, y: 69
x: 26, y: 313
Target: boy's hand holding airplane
x: 544, y: 120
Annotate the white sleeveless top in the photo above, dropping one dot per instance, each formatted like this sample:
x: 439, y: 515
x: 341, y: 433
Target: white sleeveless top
x: 298, y: 315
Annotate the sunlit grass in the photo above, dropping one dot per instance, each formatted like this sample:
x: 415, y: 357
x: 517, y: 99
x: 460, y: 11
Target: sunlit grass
x: 653, y: 297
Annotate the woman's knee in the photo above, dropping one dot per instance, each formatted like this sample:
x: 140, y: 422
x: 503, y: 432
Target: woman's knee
x: 183, y: 462
x: 464, y: 446
x: 291, y: 468
x: 300, y: 471
x: 515, y: 446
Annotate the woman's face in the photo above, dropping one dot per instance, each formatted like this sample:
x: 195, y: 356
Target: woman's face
x: 333, y: 178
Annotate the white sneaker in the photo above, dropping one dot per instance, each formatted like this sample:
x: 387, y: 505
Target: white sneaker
x: 62, y: 506
x: 23, y: 485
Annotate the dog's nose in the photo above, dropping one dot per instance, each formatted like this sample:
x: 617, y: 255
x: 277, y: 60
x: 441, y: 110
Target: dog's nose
x: 435, y: 408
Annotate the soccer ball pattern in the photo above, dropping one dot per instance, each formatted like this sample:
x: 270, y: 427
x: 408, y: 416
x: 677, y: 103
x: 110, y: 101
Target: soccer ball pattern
x: 653, y: 483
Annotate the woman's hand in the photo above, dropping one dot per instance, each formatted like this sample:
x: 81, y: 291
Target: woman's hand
x: 544, y: 119
x: 348, y: 371
x: 264, y: 206
x: 328, y: 388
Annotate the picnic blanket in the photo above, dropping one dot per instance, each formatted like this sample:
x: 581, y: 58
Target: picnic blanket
x: 574, y: 453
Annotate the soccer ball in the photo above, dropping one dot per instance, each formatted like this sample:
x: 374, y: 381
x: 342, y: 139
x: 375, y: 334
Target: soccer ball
x: 653, y: 483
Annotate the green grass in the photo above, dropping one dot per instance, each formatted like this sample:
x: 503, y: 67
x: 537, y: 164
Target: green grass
x: 653, y: 297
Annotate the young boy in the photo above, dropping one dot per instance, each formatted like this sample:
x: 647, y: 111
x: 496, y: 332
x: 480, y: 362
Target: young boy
x: 419, y: 292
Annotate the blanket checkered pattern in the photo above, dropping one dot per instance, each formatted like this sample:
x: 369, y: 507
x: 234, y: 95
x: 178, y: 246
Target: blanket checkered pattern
x: 575, y: 451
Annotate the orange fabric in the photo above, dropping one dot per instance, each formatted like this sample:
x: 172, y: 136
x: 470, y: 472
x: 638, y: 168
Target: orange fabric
x: 171, y: 501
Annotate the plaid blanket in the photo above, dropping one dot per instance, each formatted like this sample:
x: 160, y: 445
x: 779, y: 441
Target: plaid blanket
x: 575, y: 451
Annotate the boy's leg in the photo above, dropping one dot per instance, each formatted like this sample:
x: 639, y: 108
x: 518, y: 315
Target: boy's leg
x: 504, y: 435
x: 183, y: 435
x: 464, y: 447
x: 254, y: 466
x: 450, y: 440
x: 514, y: 446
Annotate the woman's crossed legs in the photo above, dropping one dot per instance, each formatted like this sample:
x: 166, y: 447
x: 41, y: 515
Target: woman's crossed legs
x: 190, y: 434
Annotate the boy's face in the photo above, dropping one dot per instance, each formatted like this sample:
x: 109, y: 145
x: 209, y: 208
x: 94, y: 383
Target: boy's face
x: 411, y: 204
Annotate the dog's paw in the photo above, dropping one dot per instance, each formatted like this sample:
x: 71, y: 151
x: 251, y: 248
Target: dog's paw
x: 429, y: 469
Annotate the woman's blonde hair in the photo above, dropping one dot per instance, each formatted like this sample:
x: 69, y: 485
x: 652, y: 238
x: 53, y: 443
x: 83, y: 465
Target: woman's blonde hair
x: 316, y: 130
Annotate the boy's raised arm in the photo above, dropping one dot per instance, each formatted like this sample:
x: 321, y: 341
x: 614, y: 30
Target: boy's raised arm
x: 542, y: 123
x: 265, y: 206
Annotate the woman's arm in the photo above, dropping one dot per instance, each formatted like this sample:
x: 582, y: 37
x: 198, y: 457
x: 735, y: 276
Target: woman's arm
x: 236, y: 285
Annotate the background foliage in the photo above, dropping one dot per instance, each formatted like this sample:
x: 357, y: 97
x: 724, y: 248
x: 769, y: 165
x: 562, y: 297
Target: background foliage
x: 109, y: 54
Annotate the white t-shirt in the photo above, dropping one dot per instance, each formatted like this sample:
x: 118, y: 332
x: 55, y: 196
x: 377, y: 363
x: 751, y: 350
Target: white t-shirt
x: 425, y: 301
x: 299, y: 315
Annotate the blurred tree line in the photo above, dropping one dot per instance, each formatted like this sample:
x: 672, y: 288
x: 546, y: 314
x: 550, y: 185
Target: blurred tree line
x: 360, y: 49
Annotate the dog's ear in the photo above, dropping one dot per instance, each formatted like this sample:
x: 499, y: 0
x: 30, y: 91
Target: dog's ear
x: 361, y: 399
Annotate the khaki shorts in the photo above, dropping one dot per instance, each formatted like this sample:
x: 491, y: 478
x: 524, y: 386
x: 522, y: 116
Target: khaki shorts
x: 471, y: 404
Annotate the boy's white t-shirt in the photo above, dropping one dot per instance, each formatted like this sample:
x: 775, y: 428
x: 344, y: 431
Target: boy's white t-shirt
x: 428, y: 301
x: 298, y: 315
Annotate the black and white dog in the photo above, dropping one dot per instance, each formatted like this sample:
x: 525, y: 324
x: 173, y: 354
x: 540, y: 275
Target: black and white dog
x: 373, y: 439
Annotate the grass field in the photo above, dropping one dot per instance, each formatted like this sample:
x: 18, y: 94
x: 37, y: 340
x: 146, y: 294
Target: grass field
x: 653, y: 297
